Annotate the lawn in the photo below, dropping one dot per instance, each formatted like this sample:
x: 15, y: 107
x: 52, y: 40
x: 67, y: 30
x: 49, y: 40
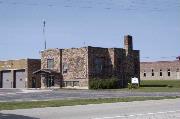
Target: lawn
x: 72, y: 102
x: 160, y: 83
x: 159, y: 86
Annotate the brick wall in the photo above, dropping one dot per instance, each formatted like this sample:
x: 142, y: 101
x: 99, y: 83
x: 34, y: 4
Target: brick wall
x: 147, y: 68
x: 30, y: 65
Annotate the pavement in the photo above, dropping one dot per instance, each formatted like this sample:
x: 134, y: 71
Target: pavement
x: 9, y: 95
x: 152, y: 109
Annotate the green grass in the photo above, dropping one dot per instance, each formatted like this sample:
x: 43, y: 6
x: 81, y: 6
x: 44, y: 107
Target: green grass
x: 160, y: 86
x: 160, y: 83
x: 58, y: 103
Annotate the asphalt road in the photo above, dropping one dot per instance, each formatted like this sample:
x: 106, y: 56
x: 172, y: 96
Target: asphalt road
x: 29, y: 95
x: 154, y: 109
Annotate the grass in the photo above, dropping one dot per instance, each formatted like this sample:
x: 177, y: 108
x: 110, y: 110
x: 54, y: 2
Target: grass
x: 59, y: 103
x: 161, y: 83
x: 159, y: 86
x: 155, y: 86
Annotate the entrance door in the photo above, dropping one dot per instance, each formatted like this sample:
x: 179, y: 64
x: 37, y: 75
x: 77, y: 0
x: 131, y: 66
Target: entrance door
x: 20, y: 79
x: 33, y: 83
x: 7, y: 79
x: 50, y: 81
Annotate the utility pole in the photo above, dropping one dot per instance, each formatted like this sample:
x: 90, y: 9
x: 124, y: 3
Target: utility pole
x: 44, y: 33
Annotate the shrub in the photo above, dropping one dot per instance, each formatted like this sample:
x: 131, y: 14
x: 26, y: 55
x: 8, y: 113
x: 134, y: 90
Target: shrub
x: 97, y: 83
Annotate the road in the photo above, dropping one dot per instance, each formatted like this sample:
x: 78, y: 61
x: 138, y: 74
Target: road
x: 29, y: 95
x: 153, y: 109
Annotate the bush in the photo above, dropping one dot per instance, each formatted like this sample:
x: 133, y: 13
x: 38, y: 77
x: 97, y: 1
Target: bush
x: 98, y: 83
x: 133, y: 86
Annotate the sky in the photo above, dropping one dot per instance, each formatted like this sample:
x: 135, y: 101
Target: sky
x: 154, y: 25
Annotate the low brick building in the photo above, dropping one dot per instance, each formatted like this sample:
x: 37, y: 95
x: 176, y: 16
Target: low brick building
x: 160, y: 70
x: 18, y: 73
x: 74, y: 67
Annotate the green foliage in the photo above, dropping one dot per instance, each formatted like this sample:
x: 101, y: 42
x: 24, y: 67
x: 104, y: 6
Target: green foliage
x: 97, y: 83
x: 133, y: 86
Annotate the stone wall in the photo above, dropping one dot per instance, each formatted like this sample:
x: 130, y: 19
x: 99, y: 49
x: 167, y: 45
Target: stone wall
x: 75, y: 65
x: 33, y: 65
x: 79, y: 65
x: 147, y: 68
x: 119, y: 64
x: 107, y: 58
x: 136, y: 57
x: 116, y: 63
x: 13, y: 64
x: 54, y: 54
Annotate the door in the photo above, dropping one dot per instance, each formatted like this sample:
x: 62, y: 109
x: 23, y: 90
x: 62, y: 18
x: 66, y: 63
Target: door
x: 20, y: 77
x: 7, y: 79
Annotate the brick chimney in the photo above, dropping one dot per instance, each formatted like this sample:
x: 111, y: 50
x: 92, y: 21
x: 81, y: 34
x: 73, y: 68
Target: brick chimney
x: 178, y: 57
x: 128, y: 43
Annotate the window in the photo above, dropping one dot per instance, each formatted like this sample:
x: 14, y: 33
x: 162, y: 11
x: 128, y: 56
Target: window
x: 169, y: 73
x: 144, y: 73
x: 152, y: 72
x: 50, y: 63
x: 65, y: 67
x: 160, y: 74
x: 76, y: 83
x: 177, y: 70
x: 98, y: 65
x: 69, y: 83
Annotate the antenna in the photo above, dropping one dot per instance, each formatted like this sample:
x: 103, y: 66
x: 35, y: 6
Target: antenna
x: 84, y: 43
x: 44, y: 35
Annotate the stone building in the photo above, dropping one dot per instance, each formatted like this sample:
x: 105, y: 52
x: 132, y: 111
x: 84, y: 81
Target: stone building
x: 160, y: 70
x: 74, y: 67
x: 18, y: 73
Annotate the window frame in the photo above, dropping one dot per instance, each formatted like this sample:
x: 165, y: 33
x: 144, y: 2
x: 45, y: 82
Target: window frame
x: 49, y: 65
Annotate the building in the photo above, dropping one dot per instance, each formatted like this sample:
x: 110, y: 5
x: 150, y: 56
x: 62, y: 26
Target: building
x: 75, y: 67
x: 160, y: 70
x: 18, y: 73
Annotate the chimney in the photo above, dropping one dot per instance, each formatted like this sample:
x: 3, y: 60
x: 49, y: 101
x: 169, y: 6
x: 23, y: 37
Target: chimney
x: 128, y: 43
x: 178, y: 57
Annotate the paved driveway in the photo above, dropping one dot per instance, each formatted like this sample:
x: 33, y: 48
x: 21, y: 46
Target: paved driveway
x: 28, y: 95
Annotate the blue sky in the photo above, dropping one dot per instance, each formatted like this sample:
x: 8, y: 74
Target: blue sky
x: 154, y: 25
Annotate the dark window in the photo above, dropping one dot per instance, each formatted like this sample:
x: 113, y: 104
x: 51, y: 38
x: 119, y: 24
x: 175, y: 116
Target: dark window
x: 50, y: 63
x: 169, y: 73
x: 144, y: 74
x: 177, y: 70
x: 152, y: 72
x: 160, y: 74
x: 98, y: 65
